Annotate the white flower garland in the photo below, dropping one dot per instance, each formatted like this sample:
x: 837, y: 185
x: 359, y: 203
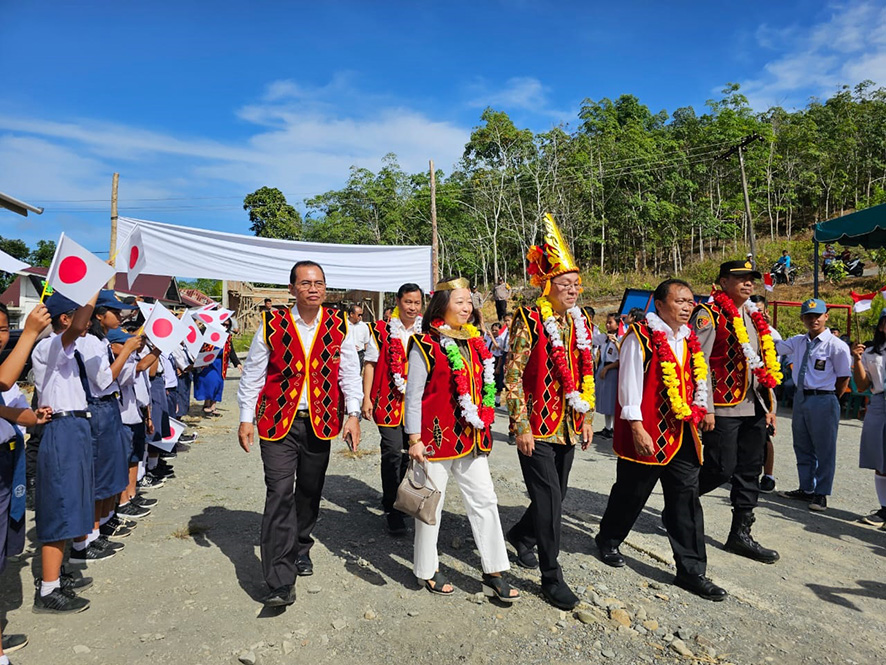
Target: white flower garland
x: 582, y: 341
x: 754, y: 360
x: 700, y: 398
x: 396, y: 329
x: 469, y: 410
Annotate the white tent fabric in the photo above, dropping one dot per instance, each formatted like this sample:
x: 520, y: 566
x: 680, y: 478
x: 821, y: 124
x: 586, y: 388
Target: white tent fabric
x: 10, y: 263
x: 183, y: 251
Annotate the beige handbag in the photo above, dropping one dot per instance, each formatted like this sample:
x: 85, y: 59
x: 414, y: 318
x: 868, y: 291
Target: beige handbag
x: 416, y: 499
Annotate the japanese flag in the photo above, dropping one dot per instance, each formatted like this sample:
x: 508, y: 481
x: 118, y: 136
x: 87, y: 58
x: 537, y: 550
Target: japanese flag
x: 208, y: 317
x: 77, y: 273
x: 176, y: 429
x: 767, y: 281
x: 135, y: 256
x: 215, y: 335
x: 206, y: 358
x: 193, y: 339
x: 164, y: 330
x: 145, y: 308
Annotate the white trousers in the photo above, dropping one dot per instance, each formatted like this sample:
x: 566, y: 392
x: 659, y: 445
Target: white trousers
x: 481, y: 504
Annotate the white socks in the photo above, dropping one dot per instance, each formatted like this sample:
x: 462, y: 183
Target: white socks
x: 141, y: 471
x: 104, y: 520
x: 80, y: 545
x: 607, y: 422
x: 152, y: 463
x: 880, y: 484
x: 47, y: 588
x: 92, y: 536
x: 4, y: 660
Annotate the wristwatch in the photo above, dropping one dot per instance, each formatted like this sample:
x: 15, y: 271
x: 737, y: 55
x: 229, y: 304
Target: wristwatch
x: 355, y: 414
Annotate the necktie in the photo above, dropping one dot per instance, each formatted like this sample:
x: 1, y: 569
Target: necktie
x: 801, y: 377
x: 17, y: 502
x: 83, y: 380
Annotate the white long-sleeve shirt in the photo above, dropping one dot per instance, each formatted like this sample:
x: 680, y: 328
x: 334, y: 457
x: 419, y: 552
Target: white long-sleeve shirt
x: 630, y: 373
x: 97, y: 359
x: 255, y: 369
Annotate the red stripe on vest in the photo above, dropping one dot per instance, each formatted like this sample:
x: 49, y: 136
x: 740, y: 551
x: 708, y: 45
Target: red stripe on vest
x: 387, y: 400
x: 728, y: 365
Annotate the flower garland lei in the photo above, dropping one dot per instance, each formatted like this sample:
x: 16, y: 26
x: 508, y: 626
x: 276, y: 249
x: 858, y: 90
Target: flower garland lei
x: 583, y: 401
x: 485, y: 415
x: 396, y: 357
x: 695, y: 412
x: 767, y: 370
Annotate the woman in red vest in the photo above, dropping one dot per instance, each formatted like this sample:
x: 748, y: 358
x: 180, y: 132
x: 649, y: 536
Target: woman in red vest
x: 384, y: 384
x: 450, y: 405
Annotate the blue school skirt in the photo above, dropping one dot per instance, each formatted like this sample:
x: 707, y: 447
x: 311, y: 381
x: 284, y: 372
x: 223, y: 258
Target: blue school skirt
x: 184, y: 395
x: 110, y: 447
x: 135, y: 434
x: 65, y: 496
x: 159, y: 409
x: 209, y: 384
x: 12, y: 534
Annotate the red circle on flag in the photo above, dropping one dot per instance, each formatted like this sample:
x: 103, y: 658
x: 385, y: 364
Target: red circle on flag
x: 215, y: 337
x: 192, y: 334
x: 209, y: 357
x: 161, y: 328
x: 206, y: 317
x: 133, y: 257
x: 223, y: 316
x: 71, y: 269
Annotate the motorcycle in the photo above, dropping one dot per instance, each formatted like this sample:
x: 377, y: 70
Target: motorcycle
x: 854, y: 267
x: 782, y: 276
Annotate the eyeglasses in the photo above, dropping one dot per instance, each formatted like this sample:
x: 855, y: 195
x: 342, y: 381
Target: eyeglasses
x: 569, y: 286
x: 304, y: 286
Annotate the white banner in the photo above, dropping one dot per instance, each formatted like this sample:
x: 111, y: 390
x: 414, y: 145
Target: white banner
x: 10, y: 263
x: 182, y: 251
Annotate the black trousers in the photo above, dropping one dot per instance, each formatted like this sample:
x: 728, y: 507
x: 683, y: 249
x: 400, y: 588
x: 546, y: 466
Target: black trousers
x: 501, y: 308
x: 289, y: 518
x: 394, y: 462
x: 546, y: 474
x: 735, y: 450
x: 685, y: 521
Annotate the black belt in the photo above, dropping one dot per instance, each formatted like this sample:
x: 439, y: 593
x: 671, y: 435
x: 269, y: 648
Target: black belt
x: 105, y: 398
x: 302, y: 413
x: 71, y: 414
x: 807, y: 392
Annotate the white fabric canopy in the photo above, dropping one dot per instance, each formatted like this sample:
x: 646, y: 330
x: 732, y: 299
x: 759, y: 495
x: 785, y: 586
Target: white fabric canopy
x: 182, y: 251
x: 10, y: 263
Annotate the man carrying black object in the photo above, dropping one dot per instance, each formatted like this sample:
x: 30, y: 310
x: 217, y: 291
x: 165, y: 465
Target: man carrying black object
x: 740, y: 407
x: 294, y: 388
x: 656, y: 436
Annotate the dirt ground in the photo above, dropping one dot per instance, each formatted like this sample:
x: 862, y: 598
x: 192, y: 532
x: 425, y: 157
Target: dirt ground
x: 186, y: 588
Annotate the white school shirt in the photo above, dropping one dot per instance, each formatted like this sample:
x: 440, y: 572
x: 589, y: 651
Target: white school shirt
x: 98, y: 365
x: 14, y: 399
x: 56, y: 375
x: 169, y: 377
x: 361, y: 334
x: 180, y: 358
x: 875, y: 366
x: 127, y: 380
x: 255, y: 369
x: 630, y: 371
x: 608, y: 352
x: 829, y: 360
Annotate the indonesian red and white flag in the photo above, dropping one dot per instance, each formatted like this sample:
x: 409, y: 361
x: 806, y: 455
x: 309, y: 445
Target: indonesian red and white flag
x: 135, y: 256
x: 206, y: 358
x: 767, y: 281
x: 76, y: 272
x: 176, y: 429
x: 862, y: 300
x: 215, y: 335
x: 164, y: 330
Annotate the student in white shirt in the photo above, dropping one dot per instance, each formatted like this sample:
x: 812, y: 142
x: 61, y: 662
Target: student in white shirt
x: 360, y: 330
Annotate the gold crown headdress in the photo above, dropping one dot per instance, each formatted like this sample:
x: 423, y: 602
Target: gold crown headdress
x: 551, y: 258
x: 457, y: 283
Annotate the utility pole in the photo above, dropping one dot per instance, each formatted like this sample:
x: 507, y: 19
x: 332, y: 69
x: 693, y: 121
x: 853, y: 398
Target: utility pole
x: 435, y: 269
x: 112, y: 254
x: 740, y: 148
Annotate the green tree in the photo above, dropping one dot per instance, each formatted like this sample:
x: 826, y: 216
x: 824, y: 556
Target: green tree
x: 42, y: 254
x: 271, y: 215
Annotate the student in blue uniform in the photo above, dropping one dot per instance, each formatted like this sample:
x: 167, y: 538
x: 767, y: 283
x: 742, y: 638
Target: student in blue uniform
x: 65, y: 491
x: 110, y: 440
x: 14, y: 414
x: 822, y: 365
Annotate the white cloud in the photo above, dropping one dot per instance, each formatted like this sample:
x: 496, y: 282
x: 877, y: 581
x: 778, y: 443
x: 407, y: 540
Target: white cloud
x: 847, y: 47
x: 520, y: 93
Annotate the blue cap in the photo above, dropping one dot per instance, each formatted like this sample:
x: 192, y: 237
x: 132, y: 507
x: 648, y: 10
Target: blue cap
x: 108, y: 300
x: 117, y: 336
x: 813, y: 306
x: 58, y: 304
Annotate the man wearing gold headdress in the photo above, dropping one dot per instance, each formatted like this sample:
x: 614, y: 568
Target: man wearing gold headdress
x: 549, y: 386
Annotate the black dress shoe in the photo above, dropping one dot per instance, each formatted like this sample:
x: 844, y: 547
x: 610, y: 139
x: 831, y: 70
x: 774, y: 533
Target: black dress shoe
x: 281, y: 596
x: 304, y: 567
x: 525, y: 556
x: 609, y: 554
x: 701, y: 586
x: 395, y: 523
x: 560, y: 595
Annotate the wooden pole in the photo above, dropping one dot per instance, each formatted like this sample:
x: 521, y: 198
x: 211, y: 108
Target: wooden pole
x: 747, y: 205
x: 112, y: 254
x: 435, y: 269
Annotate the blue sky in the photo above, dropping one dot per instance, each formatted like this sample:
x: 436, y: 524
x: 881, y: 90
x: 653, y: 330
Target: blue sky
x: 197, y: 104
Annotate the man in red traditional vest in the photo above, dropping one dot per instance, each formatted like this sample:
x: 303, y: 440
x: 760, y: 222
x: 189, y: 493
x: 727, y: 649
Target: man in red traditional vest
x: 656, y: 436
x: 300, y: 378
x: 548, y: 387
x: 740, y: 407
x: 384, y: 385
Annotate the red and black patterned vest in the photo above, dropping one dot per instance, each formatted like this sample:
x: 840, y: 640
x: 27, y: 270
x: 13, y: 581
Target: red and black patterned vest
x: 226, y: 356
x: 727, y: 363
x: 387, y: 400
x: 545, y: 397
x: 658, y: 418
x: 443, y: 428
x: 288, y: 369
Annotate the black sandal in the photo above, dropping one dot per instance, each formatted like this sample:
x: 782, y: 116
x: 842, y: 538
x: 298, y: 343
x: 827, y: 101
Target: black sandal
x: 438, y: 583
x: 496, y: 587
